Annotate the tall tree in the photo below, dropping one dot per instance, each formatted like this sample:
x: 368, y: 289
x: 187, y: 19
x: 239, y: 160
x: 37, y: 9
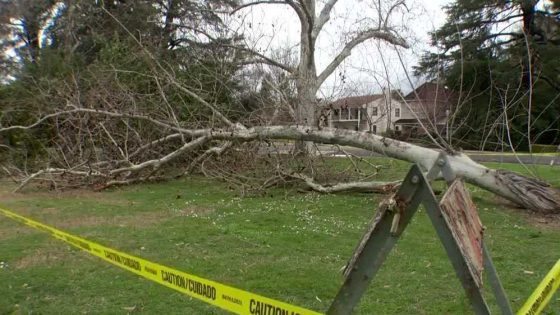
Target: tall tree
x: 94, y: 54
x: 312, y: 23
x: 500, y: 54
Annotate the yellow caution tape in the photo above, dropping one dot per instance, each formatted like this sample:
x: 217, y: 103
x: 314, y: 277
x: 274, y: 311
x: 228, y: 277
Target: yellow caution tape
x: 543, y: 293
x: 223, y: 296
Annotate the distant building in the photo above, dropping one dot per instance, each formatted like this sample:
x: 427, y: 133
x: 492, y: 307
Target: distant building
x: 429, y: 105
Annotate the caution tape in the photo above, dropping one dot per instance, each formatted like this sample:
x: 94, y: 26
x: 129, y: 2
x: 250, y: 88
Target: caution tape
x: 220, y: 295
x: 543, y: 293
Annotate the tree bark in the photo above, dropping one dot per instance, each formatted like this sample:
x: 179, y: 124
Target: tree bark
x: 371, y: 186
x: 306, y: 82
x: 523, y: 191
x: 305, y: 111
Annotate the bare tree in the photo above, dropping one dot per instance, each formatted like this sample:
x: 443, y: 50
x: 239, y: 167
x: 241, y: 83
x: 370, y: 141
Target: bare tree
x: 312, y: 22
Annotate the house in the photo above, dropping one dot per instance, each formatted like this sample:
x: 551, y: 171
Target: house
x: 425, y: 108
x: 430, y: 106
x: 373, y: 113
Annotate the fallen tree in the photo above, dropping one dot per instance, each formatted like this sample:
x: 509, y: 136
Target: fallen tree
x: 113, y: 137
x: 524, y: 191
x: 203, y: 143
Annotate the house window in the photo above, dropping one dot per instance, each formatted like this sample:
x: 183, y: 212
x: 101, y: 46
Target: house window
x: 374, y: 111
x: 397, y: 112
x: 344, y: 114
x: 353, y: 113
x: 373, y: 128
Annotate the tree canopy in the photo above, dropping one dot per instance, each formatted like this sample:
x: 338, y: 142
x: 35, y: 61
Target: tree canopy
x: 500, y: 55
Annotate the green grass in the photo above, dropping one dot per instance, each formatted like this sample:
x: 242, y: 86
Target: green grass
x: 516, y: 153
x: 284, y: 245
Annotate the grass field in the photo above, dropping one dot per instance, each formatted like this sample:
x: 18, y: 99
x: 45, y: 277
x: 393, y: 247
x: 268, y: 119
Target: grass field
x: 285, y: 245
x: 516, y: 153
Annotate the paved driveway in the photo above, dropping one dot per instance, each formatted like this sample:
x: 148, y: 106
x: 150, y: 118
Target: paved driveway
x: 475, y: 155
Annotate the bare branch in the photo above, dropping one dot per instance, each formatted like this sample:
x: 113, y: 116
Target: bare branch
x: 384, y: 34
x: 293, y: 5
x: 97, y: 112
x: 246, y: 5
x: 212, y: 151
x: 156, y: 142
x: 157, y: 163
x: 323, y: 17
x: 261, y: 59
x: 50, y: 170
x: 308, y: 16
x: 38, y: 122
x: 372, y: 186
x: 393, y: 7
x: 542, y: 198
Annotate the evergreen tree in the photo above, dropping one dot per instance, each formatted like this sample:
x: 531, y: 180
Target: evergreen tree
x: 501, y: 56
x: 87, y: 54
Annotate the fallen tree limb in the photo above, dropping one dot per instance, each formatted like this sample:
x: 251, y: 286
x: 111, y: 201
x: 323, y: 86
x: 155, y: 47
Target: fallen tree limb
x: 56, y: 171
x: 157, y: 163
x: 522, y: 190
x: 212, y: 151
x: 369, y: 186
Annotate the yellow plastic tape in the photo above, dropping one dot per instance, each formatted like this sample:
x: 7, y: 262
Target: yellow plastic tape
x: 220, y: 295
x: 543, y: 293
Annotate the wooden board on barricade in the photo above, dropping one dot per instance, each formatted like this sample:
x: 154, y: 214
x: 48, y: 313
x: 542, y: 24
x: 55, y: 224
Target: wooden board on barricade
x: 459, y: 211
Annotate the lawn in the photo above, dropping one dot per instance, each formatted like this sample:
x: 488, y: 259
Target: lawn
x: 284, y: 245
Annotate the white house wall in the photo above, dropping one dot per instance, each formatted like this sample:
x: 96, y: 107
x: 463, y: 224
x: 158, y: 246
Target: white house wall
x: 383, y: 121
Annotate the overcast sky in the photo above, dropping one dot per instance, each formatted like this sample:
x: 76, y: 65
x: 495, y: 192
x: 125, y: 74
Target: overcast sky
x: 276, y: 27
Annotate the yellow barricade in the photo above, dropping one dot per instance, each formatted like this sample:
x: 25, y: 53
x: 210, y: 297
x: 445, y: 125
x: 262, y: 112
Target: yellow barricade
x: 543, y: 293
x: 211, y: 292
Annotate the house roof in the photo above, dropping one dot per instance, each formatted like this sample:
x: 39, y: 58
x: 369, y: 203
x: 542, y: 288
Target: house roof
x: 355, y: 101
x: 430, y: 92
x: 430, y: 100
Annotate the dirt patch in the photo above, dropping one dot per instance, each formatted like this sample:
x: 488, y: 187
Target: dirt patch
x: 138, y: 220
x: 41, y: 257
x: 550, y: 221
x: 195, y: 210
x: 135, y: 220
x: 50, y: 211
x: 11, y: 232
x: 67, y: 194
x: 538, y: 219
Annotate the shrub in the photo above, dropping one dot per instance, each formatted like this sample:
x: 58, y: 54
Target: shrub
x: 545, y: 148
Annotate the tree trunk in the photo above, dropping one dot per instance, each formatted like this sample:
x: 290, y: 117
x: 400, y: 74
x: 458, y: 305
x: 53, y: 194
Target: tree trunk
x: 306, y: 81
x: 305, y: 113
x: 306, y: 85
x: 524, y: 191
x: 31, y: 30
x: 167, y: 33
